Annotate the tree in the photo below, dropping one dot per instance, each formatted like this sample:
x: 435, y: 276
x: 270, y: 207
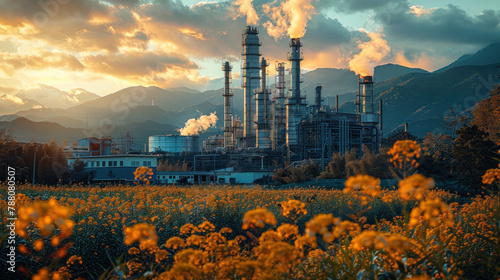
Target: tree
x: 335, y: 169
x: 487, y: 115
x: 291, y: 174
x: 399, y: 135
x: 437, y: 157
x: 473, y: 155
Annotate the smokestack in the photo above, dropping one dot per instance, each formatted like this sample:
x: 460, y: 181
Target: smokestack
x: 406, y: 127
x: 263, y: 116
x: 295, y: 106
x: 317, y: 98
x: 279, y: 109
x: 367, y: 110
x: 337, y: 103
x: 227, y: 93
x: 295, y: 57
x: 380, y: 131
x: 250, y: 80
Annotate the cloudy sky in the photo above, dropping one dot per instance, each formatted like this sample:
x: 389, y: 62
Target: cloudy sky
x: 103, y: 46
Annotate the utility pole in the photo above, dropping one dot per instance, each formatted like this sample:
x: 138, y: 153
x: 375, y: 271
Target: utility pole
x: 34, y: 166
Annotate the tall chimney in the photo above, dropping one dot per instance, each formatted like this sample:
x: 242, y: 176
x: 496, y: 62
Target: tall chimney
x: 250, y: 80
x: 227, y: 93
x: 295, y: 106
x: 295, y: 57
x: 317, y: 98
x: 279, y: 109
x: 367, y: 110
x: 336, y: 103
x: 380, y: 129
x: 263, y: 116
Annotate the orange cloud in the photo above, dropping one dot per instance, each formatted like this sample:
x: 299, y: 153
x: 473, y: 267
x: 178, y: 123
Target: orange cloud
x: 419, y: 10
x: 245, y: 8
x: 192, y: 33
x: 372, y: 52
x: 423, y: 61
x: 12, y: 98
x: 11, y: 62
x: 290, y: 18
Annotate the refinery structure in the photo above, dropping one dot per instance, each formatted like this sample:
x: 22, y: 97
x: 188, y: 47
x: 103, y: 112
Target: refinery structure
x: 280, y: 119
x: 278, y: 126
x: 277, y: 123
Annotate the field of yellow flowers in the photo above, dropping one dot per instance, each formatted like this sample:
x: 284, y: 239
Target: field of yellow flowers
x: 228, y: 232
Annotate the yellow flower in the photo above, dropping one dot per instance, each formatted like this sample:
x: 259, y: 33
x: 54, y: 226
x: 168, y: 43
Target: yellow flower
x: 182, y: 271
x: 365, y: 183
x: 46, y: 215
x: 225, y: 230
x: 258, y: 217
x: 189, y: 229
x: 270, y: 235
x: 415, y: 184
x: 286, y: 231
x: 145, y: 234
x: 368, y: 239
x: 43, y: 274
x: 405, y: 151
x: 143, y: 173
x: 39, y: 244
x: 316, y: 254
x: 305, y: 240
x: 281, y: 256
x: 133, y: 251
x: 161, y: 255
x: 491, y: 176
x: 322, y: 224
x: 175, y: 243
x: 191, y: 256
x: 195, y: 240
x: 206, y: 226
x: 433, y: 212
x: 293, y: 209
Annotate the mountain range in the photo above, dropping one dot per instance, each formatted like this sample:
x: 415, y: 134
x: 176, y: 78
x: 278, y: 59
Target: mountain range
x: 410, y: 95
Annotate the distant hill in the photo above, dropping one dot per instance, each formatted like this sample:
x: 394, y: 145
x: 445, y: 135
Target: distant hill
x: 485, y: 56
x: 52, y: 97
x: 23, y: 129
x: 422, y: 99
x: 389, y: 71
x: 43, y: 97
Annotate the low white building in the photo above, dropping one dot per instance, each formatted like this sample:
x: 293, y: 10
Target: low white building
x: 223, y: 176
x: 118, y: 168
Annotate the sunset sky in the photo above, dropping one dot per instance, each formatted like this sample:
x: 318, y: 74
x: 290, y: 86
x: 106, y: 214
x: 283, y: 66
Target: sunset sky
x: 103, y: 46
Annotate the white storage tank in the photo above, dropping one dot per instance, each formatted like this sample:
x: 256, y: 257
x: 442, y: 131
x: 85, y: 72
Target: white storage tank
x: 175, y: 144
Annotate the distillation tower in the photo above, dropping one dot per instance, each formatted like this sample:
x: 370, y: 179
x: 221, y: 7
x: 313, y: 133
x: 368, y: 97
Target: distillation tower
x: 263, y: 107
x: 250, y: 77
x: 227, y: 93
x: 295, y: 103
x: 279, y: 110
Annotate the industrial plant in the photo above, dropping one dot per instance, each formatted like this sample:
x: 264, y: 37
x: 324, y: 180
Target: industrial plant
x: 278, y: 126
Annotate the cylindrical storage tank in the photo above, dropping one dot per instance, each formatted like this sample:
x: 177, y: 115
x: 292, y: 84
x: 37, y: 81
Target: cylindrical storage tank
x: 168, y: 143
x: 193, y: 143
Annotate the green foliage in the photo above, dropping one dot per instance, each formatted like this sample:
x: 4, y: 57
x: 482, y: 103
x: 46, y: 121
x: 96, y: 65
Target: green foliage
x: 473, y: 154
x: 305, y: 172
x: 373, y: 164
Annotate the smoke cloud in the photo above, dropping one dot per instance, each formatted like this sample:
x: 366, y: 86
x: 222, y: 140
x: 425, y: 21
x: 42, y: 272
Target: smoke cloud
x: 245, y: 8
x: 372, y: 52
x: 290, y: 17
x: 195, y: 126
x: 14, y: 99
